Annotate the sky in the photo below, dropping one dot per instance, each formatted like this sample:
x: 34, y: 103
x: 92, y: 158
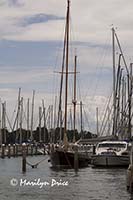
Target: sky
x: 31, y: 42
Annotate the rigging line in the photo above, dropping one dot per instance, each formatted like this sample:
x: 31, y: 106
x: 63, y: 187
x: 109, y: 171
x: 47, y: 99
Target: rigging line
x: 35, y: 121
x: 55, y: 84
x: 108, y: 102
x: 78, y: 88
x: 119, y: 45
x: 24, y: 112
x: 106, y: 119
x: 92, y: 97
x: 106, y: 105
x: 9, y: 122
x: 98, y: 81
x: 13, y: 114
x: 85, y: 114
x: 35, y: 165
x: 101, y: 59
x: 104, y: 127
x: 124, y: 111
x: 61, y: 78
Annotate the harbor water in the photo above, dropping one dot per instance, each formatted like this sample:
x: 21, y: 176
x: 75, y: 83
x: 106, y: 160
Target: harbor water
x: 45, y: 183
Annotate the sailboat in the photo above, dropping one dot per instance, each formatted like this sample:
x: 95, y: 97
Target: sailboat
x: 117, y: 152
x: 66, y: 154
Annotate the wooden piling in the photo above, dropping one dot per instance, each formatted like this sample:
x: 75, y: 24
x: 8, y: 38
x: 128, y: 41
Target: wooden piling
x: 24, y: 158
x: 76, y: 162
x: 130, y: 173
x: 31, y: 148
x: 94, y: 149
x: 14, y: 152
x: 44, y: 149
x: 36, y: 147
x: 3, y: 151
x: 9, y: 150
x: 27, y: 149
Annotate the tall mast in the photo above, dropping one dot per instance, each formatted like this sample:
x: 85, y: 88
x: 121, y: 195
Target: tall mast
x: 44, y: 118
x: 114, y: 80
x: 59, y: 122
x: 66, y: 81
x: 18, y: 111
x: 129, y: 101
x: 74, y: 97
x: 21, y: 120
x: 32, y: 114
x: 0, y: 126
x: 122, y: 107
x: 54, y: 118
x: 81, y: 118
x: 28, y: 101
x: 40, y: 120
x: 4, y: 121
x: 117, y: 95
x: 97, y: 120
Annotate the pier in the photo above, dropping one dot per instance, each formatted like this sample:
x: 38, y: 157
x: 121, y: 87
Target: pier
x: 14, y: 150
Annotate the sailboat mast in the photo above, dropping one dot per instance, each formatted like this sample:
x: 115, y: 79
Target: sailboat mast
x: 40, y: 120
x: 61, y: 84
x: 97, y: 120
x: 74, y: 99
x: 0, y: 126
x: 21, y: 121
x: 66, y: 81
x: 44, y: 121
x: 32, y: 114
x: 28, y: 101
x: 4, y: 121
x: 114, y: 80
x: 81, y: 118
x: 130, y: 102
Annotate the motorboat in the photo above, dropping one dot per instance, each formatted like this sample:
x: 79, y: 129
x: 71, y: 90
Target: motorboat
x: 111, y: 153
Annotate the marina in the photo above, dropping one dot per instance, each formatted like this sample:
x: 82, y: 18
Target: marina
x: 72, y: 136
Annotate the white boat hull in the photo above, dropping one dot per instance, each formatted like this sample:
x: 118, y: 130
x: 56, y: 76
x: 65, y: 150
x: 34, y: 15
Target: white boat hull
x: 110, y: 160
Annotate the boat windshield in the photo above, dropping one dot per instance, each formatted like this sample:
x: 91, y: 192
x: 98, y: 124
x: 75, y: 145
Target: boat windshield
x: 111, y: 145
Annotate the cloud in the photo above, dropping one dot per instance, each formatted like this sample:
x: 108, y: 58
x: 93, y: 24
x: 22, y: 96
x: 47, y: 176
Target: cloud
x: 15, y: 3
x: 27, y: 78
x: 11, y: 3
x: 88, y: 19
x: 38, y: 18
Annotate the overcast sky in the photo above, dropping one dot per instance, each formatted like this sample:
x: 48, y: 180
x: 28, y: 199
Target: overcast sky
x: 31, y: 41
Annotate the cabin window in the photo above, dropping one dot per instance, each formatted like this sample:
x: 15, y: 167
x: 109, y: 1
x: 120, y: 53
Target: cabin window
x: 109, y: 145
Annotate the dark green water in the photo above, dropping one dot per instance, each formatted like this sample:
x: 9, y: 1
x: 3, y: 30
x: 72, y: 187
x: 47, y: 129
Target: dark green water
x: 88, y: 184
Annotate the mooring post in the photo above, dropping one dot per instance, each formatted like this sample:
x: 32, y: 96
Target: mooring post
x: 94, y: 149
x: 49, y: 149
x: 31, y: 148
x: 23, y: 157
x: 130, y: 172
x: 52, y: 148
x: 76, y: 162
x: 44, y: 149
x: 27, y: 149
x: 9, y: 150
x: 131, y: 169
x: 36, y: 147
x: 14, y: 150
x: 3, y: 151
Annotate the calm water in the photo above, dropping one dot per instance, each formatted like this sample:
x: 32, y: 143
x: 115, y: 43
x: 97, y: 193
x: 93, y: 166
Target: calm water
x: 89, y: 183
